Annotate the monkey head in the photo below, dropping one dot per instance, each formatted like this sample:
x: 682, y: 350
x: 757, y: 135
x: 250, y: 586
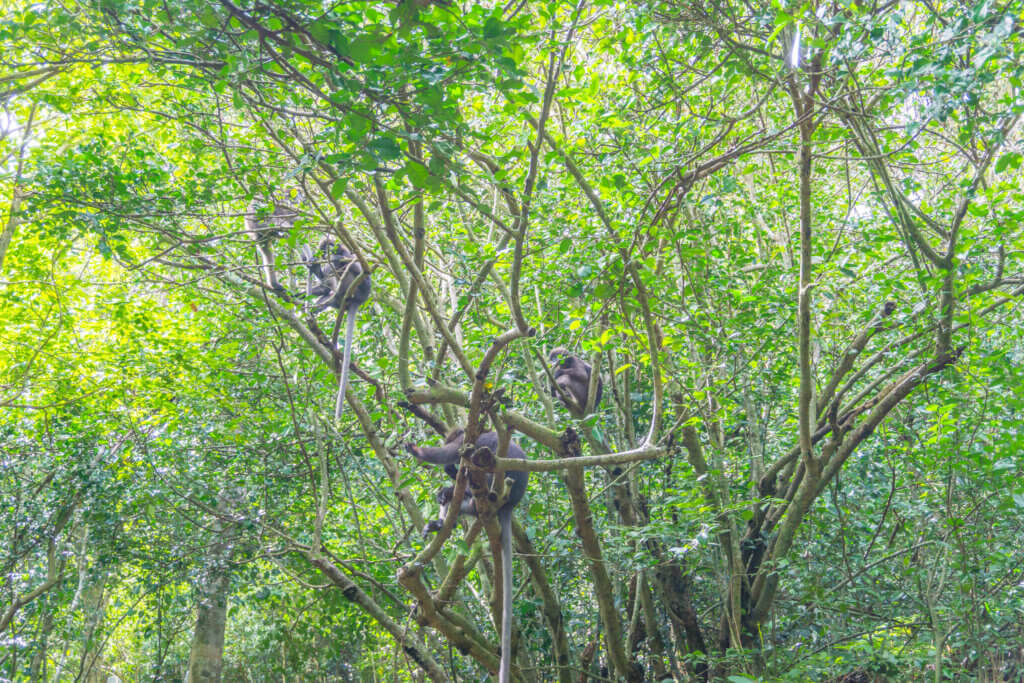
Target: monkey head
x: 559, y: 356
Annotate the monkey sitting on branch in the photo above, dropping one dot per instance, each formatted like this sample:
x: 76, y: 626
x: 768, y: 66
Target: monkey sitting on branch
x: 343, y: 284
x: 572, y: 381
x: 264, y: 232
x: 448, y: 456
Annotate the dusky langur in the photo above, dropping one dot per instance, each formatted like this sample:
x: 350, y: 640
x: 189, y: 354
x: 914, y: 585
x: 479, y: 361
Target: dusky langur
x: 573, y: 374
x: 341, y: 284
x: 444, y: 500
x: 263, y: 232
x: 448, y: 456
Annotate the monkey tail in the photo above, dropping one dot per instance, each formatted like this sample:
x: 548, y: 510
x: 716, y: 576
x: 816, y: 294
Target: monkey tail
x: 346, y: 358
x: 505, y: 519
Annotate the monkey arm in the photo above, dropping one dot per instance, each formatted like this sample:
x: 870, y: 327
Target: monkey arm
x: 436, y: 455
x: 345, y: 276
x: 565, y: 389
x: 311, y: 263
x: 578, y: 370
x: 433, y: 526
x: 320, y: 289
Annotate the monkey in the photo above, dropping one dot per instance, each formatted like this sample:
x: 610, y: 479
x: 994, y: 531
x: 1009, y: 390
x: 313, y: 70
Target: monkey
x: 448, y: 455
x: 573, y: 375
x: 341, y: 284
x: 444, y: 499
x: 264, y: 231
x: 334, y: 263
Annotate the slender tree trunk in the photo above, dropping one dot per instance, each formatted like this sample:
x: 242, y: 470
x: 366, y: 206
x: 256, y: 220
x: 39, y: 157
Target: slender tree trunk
x: 38, y: 670
x: 13, y: 220
x: 94, y: 606
x: 91, y: 599
x: 206, y: 660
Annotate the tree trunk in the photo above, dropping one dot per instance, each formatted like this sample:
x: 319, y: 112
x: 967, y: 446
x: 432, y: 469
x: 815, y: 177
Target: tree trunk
x: 206, y: 660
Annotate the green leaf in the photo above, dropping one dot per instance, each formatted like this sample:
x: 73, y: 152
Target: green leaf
x: 357, y: 127
x: 209, y: 18
x: 492, y: 28
x: 363, y: 48
x: 1008, y: 160
x: 783, y: 19
x: 418, y: 174
x: 321, y: 31
x: 385, y: 148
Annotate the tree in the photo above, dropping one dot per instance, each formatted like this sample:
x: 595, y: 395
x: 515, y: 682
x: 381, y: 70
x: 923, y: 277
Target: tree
x: 778, y: 231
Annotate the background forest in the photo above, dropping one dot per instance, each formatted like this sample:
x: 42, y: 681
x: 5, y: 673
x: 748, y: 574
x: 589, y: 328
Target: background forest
x: 788, y: 236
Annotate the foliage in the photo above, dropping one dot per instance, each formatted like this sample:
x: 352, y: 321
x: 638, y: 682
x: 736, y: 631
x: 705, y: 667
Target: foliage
x: 788, y: 236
